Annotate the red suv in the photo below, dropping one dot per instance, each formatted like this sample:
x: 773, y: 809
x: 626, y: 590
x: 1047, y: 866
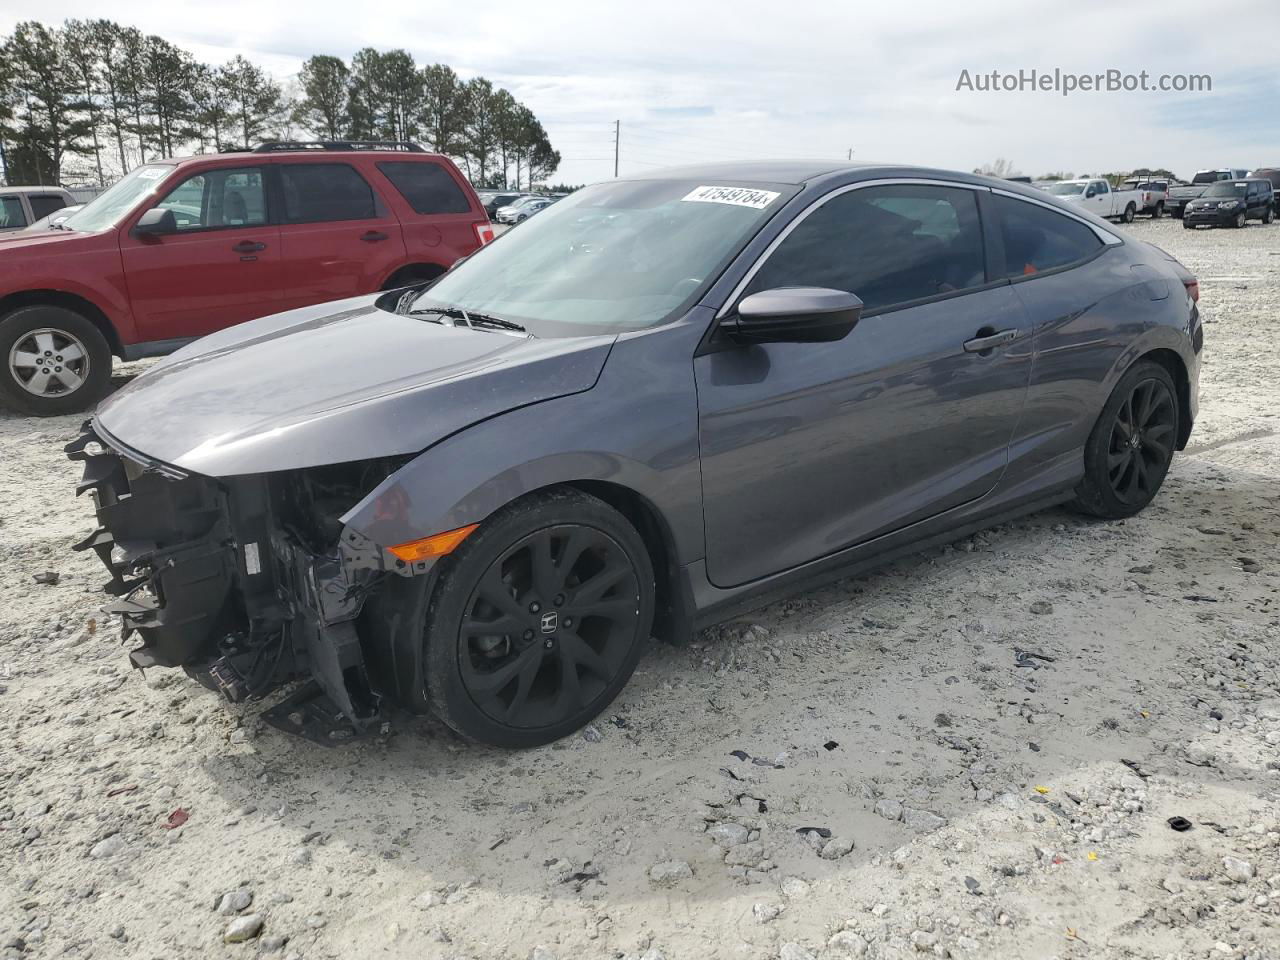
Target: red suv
x: 181, y: 248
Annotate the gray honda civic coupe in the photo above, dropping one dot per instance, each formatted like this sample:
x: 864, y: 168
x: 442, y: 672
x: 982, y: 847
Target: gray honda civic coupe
x: 659, y: 403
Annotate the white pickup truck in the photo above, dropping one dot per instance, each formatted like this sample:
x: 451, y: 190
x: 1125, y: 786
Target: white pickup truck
x: 1097, y: 197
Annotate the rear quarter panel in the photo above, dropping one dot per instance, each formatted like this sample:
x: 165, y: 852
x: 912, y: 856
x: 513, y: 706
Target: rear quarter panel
x: 1091, y: 323
x: 438, y: 238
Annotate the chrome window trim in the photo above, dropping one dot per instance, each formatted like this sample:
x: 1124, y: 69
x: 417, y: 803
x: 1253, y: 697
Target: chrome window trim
x: 1106, y: 236
x: 838, y: 191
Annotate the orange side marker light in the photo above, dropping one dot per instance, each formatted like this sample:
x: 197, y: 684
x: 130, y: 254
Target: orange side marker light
x: 436, y: 545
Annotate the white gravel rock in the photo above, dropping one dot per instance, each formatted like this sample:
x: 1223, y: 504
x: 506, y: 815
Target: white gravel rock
x: 243, y: 928
x: 1237, y: 870
x: 764, y: 912
x: 836, y: 847
x: 728, y: 834
x: 846, y: 943
x: 794, y: 951
x: 234, y: 902
x: 109, y: 847
x: 668, y: 873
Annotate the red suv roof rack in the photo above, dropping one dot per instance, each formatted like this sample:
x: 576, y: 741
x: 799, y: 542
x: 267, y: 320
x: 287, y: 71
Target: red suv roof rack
x: 274, y: 146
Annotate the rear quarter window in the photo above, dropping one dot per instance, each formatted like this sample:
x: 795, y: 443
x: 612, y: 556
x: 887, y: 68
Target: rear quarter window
x: 427, y: 187
x: 1038, y: 239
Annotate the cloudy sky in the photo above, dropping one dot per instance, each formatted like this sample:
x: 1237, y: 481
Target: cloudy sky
x: 700, y: 81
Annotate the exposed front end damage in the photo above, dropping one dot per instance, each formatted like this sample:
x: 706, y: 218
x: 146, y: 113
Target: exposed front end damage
x: 246, y: 582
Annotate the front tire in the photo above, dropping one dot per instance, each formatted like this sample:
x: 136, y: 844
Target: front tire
x: 1241, y: 219
x: 538, y: 620
x: 55, y: 361
x: 1128, y: 453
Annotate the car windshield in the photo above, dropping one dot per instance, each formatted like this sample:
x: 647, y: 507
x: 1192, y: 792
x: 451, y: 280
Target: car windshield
x: 1066, y: 189
x: 107, y: 208
x: 613, y: 257
x: 1209, y: 176
x: 1225, y: 189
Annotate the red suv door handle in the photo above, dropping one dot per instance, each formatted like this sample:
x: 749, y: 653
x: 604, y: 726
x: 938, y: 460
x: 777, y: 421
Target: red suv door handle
x: 373, y: 236
x: 248, y: 246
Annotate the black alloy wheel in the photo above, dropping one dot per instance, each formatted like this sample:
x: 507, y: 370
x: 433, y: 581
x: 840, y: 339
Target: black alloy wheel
x: 1131, y: 446
x: 549, y: 626
x: 539, y: 620
x: 1141, y: 446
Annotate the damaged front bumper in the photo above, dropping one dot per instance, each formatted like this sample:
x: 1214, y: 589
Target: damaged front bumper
x: 233, y: 579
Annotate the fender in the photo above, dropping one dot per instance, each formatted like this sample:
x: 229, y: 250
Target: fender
x: 51, y: 265
x: 649, y: 410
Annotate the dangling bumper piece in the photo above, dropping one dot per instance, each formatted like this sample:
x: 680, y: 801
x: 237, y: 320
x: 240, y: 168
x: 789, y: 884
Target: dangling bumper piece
x: 211, y: 576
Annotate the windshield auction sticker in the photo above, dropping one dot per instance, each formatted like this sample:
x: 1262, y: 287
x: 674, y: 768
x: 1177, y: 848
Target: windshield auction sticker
x: 736, y: 196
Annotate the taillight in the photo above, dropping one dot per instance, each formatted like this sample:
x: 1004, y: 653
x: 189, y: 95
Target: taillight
x: 1193, y: 289
x: 484, y: 232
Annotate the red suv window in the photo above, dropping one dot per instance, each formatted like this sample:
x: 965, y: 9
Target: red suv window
x: 217, y: 199
x: 427, y: 187
x: 322, y: 192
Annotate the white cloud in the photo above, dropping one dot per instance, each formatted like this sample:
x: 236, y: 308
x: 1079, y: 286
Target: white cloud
x: 753, y: 79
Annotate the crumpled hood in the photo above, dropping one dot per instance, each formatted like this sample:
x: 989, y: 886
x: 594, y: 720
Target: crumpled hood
x: 334, y: 383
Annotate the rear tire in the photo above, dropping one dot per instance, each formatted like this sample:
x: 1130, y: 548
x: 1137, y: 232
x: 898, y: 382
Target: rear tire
x: 1269, y: 215
x: 1128, y: 453
x: 1129, y: 213
x: 1188, y: 226
x: 538, y: 620
x: 54, y: 361
x: 1158, y: 212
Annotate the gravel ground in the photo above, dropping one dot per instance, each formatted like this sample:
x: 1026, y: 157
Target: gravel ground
x: 976, y: 807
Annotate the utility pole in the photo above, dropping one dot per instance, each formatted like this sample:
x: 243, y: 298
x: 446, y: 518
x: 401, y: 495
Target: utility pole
x: 851, y: 153
x: 617, y: 137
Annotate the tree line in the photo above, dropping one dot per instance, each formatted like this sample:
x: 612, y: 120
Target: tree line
x: 1003, y: 168
x: 92, y: 99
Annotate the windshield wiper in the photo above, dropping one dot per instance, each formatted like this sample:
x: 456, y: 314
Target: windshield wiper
x: 471, y: 319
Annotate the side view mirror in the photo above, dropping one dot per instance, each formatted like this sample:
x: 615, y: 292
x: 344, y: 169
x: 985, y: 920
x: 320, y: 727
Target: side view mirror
x: 793, y: 315
x: 156, y: 222
x: 1090, y: 193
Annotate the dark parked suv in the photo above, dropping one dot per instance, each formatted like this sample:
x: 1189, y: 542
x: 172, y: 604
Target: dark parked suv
x: 1272, y: 175
x: 181, y: 248
x: 1230, y: 203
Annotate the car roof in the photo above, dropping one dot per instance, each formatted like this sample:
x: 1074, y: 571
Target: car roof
x: 769, y: 171
x: 804, y: 172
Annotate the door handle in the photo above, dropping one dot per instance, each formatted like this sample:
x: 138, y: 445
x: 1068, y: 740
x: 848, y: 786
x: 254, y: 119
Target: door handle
x: 248, y: 246
x: 987, y: 340
x: 373, y: 236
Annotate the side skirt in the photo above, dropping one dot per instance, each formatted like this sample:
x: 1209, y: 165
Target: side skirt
x: 715, y: 605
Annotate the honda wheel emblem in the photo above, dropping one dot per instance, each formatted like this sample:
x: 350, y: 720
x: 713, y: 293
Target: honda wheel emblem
x: 549, y: 622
